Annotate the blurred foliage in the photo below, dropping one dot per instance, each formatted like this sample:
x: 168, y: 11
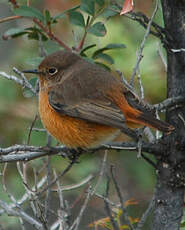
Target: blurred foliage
x: 17, y: 112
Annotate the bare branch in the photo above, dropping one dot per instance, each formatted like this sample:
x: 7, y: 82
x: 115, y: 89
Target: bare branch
x: 10, y: 18
x: 169, y: 102
x: 23, y: 82
x: 26, y: 195
x: 63, y: 221
x: 78, y: 185
x: 122, y: 202
x: 20, y: 213
x: 107, y: 207
x: 140, y: 56
x: 27, y: 153
x: 145, y: 215
x: 91, y: 192
x: 159, y: 51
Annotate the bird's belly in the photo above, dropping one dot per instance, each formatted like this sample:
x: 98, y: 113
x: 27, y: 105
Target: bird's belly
x: 73, y: 132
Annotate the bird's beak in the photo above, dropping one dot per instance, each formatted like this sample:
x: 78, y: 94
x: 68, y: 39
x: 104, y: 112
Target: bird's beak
x: 34, y: 71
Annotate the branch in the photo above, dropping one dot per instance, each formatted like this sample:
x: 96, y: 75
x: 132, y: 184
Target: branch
x: 91, y: 192
x: 107, y: 207
x: 20, y: 213
x: 169, y: 102
x: 51, y: 35
x: 140, y: 56
x: 146, y: 213
x: 23, y: 82
x: 75, y: 186
x: 122, y: 202
x: 23, y: 199
x: 143, y: 20
x: 27, y: 153
x: 10, y: 18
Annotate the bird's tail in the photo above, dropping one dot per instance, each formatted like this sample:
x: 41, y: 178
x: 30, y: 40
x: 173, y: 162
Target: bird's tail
x: 148, y: 120
x: 134, y: 116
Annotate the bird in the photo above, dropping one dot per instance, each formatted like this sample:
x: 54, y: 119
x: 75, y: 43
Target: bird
x: 83, y: 105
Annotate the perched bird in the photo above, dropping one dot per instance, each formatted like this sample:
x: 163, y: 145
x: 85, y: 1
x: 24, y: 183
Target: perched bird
x: 83, y: 105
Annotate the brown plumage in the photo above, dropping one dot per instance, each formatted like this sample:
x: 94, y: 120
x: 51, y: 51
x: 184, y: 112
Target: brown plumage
x: 83, y: 105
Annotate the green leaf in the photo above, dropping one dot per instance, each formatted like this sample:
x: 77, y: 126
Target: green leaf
x: 82, y: 53
x: 105, y: 57
x: 103, y: 65
x: 100, y: 2
x: 88, y: 6
x: 109, y: 47
x: 71, y: 9
x: 58, y: 16
x: 28, y: 11
x: 63, y: 14
x: 76, y: 18
x: 14, y: 32
x: 35, y: 33
x: 110, y: 11
x: 98, y: 29
x: 115, y: 46
x: 47, y: 16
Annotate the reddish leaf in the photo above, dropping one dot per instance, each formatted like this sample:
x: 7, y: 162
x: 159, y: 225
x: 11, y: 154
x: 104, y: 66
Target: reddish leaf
x: 127, y: 7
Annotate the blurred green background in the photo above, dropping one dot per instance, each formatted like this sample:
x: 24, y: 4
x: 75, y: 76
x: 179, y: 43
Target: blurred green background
x: 135, y: 176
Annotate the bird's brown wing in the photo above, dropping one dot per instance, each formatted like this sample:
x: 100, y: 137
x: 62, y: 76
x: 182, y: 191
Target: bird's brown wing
x: 101, y: 111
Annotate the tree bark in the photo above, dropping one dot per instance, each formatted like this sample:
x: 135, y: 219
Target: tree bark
x: 169, y: 201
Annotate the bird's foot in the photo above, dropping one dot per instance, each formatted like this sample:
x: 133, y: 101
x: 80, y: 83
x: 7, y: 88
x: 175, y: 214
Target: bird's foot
x: 74, y: 154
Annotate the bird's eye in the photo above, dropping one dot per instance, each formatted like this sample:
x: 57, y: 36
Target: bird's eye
x: 52, y: 70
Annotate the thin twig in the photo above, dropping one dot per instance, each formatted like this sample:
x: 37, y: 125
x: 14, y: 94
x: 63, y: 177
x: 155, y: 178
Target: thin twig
x: 107, y: 206
x: 10, y: 18
x: 140, y: 56
x: 48, y: 194
x: 51, y: 35
x: 107, y: 200
x: 20, y: 213
x: 140, y: 84
x: 159, y: 51
x: 62, y: 210
x: 145, y: 215
x: 122, y: 202
x: 91, y: 192
x: 78, y: 185
x: 169, y: 102
x: 23, y: 83
x: 55, y: 180
x: 24, y: 198
x: 31, y: 129
x: 149, y: 161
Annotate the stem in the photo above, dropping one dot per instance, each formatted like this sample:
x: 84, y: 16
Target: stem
x: 51, y: 35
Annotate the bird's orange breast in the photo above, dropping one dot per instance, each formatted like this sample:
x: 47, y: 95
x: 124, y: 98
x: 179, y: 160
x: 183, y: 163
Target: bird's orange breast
x: 73, y: 132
